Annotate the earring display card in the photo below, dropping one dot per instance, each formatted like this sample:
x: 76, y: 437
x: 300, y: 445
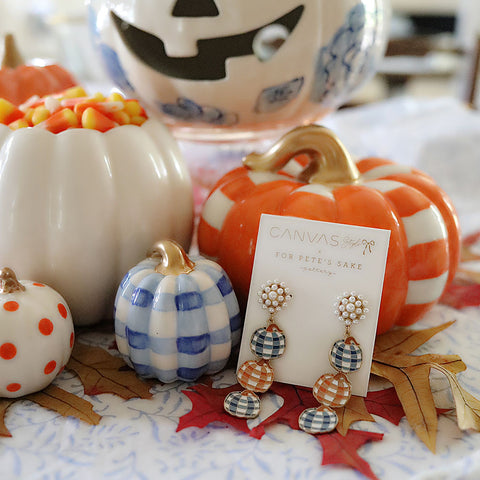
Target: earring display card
x: 318, y: 261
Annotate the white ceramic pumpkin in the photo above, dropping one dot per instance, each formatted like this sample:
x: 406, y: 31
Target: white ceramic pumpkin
x: 227, y: 67
x: 36, y: 335
x: 79, y: 208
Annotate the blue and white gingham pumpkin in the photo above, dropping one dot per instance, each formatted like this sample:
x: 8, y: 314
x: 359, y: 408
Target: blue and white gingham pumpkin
x: 346, y: 355
x: 318, y: 420
x: 179, y: 324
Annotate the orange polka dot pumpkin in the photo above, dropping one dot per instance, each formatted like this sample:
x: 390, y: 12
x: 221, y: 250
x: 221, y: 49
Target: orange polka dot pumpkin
x: 36, y: 335
x: 424, y: 241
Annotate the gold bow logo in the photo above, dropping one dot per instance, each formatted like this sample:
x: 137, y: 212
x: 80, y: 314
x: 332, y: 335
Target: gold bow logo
x: 367, y: 245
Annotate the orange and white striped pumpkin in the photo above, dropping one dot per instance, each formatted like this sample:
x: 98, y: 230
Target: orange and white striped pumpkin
x: 424, y: 241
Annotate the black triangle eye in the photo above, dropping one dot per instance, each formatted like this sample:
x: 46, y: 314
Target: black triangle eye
x: 195, y: 8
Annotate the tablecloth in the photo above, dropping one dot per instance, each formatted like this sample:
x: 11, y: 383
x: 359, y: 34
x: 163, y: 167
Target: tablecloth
x: 137, y: 439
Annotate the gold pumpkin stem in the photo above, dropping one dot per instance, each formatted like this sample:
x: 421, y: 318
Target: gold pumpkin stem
x: 11, y: 55
x: 330, y: 163
x: 173, y: 258
x: 9, y: 282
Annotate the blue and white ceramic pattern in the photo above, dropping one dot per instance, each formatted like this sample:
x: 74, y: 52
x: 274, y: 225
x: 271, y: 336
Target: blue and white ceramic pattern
x: 346, y: 355
x: 185, y: 109
x: 176, y: 327
x: 242, y: 404
x: 318, y: 420
x: 268, y: 344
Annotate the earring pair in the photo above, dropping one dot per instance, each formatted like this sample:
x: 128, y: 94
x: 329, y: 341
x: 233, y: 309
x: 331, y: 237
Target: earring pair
x: 267, y: 343
x: 334, y: 390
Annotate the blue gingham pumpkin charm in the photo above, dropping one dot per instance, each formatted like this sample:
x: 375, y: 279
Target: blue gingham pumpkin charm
x: 268, y: 343
x: 346, y: 355
x: 176, y: 318
x: 318, y: 420
x: 242, y: 404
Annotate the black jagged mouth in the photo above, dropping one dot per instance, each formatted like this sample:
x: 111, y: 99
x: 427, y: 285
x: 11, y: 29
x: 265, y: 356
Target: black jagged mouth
x: 209, y: 63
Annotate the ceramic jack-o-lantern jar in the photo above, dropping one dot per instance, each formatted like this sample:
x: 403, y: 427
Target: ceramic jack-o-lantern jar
x: 218, y: 69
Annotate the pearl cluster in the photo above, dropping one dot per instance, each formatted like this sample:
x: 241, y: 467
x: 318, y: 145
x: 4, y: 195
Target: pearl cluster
x: 351, y: 308
x: 274, y: 296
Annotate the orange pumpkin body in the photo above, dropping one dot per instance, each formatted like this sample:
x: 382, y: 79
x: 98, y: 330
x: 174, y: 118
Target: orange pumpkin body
x: 424, y: 241
x: 18, y: 84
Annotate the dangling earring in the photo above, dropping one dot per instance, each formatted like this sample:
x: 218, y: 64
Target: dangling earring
x: 267, y: 343
x: 334, y: 390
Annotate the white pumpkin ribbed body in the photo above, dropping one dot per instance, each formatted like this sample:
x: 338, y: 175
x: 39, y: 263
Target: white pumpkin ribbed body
x: 79, y: 208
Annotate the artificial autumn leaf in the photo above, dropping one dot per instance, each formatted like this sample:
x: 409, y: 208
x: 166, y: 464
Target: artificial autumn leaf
x: 413, y: 390
x: 405, y: 340
x: 339, y: 450
x: 461, y: 296
x: 409, y: 374
x: 207, y: 407
x: 295, y: 401
x: 464, y: 291
x: 65, y: 403
x: 467, y: 406
x: 101, y: 372
x: 56, y: 399
x: 469, y: 276
x: 4, y: 404
x: 468, y: 252
x: 354, y: 411
x: 385, y: 404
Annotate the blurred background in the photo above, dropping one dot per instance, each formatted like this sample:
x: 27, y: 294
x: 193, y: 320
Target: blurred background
x: 433, y: 49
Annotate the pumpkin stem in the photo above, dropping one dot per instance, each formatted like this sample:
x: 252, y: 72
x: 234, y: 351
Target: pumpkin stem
x: 11, y: 55
x: 173, y: 259
x: 9, y: 282
x: 330, y: 163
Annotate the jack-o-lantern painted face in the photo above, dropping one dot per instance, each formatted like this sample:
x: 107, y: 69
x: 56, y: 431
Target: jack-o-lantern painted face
x: 244, y: 65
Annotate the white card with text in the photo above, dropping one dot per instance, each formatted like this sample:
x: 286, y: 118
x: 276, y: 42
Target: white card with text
x: 318, y: 261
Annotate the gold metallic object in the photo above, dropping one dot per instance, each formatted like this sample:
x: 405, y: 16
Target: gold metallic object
x: 9, y: 282
x: 173, y: 258
x: 11, y: 56
x: 330, y: 163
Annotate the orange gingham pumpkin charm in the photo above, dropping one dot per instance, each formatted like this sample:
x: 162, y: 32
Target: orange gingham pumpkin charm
x: 255, y: 375
x: 424, y: 234
x: 332, y: 390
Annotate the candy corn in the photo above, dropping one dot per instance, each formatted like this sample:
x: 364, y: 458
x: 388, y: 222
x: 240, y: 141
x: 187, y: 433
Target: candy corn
x: 9, y: 112
x: 60, y: 121
x: 20, y: 123
x: 73, y: 108
x: 95, y: 120
x: 40, y: 114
